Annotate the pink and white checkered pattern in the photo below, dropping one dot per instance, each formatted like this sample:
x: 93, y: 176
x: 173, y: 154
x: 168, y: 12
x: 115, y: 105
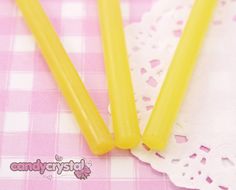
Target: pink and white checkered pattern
x: 35, y: 122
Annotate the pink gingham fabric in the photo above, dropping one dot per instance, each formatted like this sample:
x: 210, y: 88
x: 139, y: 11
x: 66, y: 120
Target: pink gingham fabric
x: 35, y: 122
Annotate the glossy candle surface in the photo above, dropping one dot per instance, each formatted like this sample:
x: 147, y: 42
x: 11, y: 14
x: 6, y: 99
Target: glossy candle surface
x: 91, y: 123
x: 123, y: 110
x: 165, y: 111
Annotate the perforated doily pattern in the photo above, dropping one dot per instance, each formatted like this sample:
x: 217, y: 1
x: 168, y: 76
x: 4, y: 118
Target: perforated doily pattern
x: 201, y: 153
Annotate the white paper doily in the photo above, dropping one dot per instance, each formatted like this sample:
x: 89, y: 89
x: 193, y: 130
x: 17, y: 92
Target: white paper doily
x: 202, y: 151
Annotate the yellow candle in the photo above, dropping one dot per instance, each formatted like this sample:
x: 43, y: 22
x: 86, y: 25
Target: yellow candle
x: 123, y: 110
x: 92, y: 125
x: 169, y: 101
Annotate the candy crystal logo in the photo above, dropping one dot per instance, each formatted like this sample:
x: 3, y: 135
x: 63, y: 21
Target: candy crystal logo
x: 80, y: 169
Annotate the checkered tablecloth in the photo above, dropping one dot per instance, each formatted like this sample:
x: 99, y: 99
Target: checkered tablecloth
x: 35, y: 122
